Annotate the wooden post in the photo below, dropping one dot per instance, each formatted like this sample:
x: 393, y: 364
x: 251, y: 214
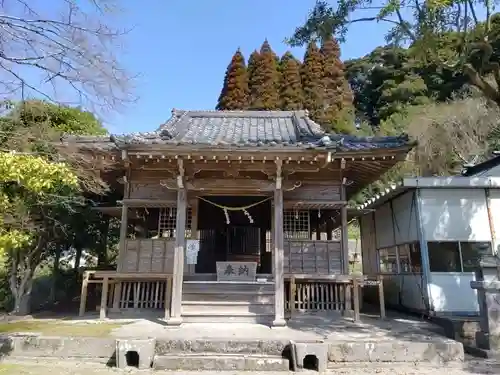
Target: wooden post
x: 381, y: 296
x: 104, y: 298
x: 345, y: 245
x: 121, y: 255
x: 355, y: 289
x: 178, y: 270
x: 291, y: 298
x: 491, y: 222
x: 83, y: 295
x: 279, y: 282
x: 168, y: 294
x: 191, y: 268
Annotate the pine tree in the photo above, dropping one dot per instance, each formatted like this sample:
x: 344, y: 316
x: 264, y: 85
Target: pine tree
x: 337, y: 96
x: 291, y: 96
x: 264, y: 82
x: 312, y: 81
x: 234, y: 93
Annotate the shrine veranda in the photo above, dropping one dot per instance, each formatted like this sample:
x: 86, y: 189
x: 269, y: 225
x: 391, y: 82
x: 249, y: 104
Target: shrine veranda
x: 234, y: 215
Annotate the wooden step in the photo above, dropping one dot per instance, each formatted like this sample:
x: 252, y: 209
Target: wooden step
x: 227, y: 287
x: 231, y: 308
x: 224, y: 318
x: 233, y: 296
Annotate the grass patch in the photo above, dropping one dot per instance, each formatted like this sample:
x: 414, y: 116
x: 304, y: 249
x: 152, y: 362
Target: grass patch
x: 53, y: 328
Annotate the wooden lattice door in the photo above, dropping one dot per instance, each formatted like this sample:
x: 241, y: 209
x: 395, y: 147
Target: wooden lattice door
x: 243, y: 244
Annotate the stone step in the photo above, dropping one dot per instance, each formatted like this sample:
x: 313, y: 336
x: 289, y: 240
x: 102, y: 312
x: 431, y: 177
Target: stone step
x: 242, y: 346
x: 251, y: 297
x: 226, y: 307
x: 220, y: 362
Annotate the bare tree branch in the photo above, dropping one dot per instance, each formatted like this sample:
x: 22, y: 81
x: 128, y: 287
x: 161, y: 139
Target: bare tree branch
x: 77, y: 50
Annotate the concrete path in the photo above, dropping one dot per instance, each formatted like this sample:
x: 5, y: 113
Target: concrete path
x: 311, y: 327
x: 470, y: 367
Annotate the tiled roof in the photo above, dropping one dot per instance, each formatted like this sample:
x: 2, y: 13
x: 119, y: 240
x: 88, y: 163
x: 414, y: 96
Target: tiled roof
x: 480, y: 168
x: 247, y: 129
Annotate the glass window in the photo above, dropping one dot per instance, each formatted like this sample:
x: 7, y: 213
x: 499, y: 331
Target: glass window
x: 387, y: 260
x: 404, y: 258
x: 472, y: 252
x: 415, y: 257
x: 444, y: 257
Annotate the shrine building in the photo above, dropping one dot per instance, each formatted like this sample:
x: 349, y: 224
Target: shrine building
x: 233, y: 216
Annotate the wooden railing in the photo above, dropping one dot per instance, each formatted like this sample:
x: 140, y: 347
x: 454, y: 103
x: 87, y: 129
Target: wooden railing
x: 128, y: 290
x: 148, y: 255
x: 312, y: 257
x: 307, y: 293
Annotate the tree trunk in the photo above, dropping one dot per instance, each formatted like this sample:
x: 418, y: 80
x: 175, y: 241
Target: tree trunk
x: 78, y: 257
x: 55, y: 276
x: 21, y: 283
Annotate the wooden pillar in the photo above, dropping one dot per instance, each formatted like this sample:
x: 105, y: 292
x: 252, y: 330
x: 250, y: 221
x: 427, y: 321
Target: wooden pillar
x: 279, y: 281
x: 344, y: 235
x: 345, y: 246
x: 190, y: 269
x: 178, y: 270
x: 491, y: 222
x: 121, y: 255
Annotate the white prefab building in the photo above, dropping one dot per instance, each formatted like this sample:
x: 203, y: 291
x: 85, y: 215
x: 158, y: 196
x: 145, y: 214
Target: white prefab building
x: 426, y: 236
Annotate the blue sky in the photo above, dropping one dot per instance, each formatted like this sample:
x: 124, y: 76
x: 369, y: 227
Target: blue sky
x: 180, y: 49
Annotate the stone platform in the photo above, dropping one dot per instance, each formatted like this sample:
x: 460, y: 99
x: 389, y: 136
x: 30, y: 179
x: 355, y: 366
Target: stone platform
x: 254, y: 347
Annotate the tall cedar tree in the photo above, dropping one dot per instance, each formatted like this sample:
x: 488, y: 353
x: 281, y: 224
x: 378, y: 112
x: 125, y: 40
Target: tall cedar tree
x: 337, y: 95
x: 234, y: 93
x: 264, y: 82
x: 312, y: 81
x: 291, y: 96
x: 252, y: 64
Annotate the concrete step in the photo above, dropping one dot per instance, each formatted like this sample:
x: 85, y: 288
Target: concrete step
x: 220, y: 362
x: 226, y: 307
x: 242, y: 346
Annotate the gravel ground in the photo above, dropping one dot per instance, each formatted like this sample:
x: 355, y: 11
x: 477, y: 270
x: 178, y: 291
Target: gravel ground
x: 470, y: 367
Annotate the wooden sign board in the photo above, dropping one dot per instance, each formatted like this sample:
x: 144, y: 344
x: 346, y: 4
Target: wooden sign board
x: 236, y: 271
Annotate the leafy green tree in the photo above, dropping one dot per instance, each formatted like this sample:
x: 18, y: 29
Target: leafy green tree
x: 312, y: 81
x: 234, y: 94
x: 265, y: 80
x: 40, y: 187
x: 291, y: 95
x: 337, y: 95
x: 448, y: 34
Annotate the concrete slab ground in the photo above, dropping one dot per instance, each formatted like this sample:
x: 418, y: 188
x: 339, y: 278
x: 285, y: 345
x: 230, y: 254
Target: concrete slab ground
x: 303, y: 327
x: 238, y: 346
x: 43, y: 367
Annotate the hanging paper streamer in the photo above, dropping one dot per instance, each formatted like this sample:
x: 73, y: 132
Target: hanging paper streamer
x: 226, y: 214
x: 247, y: 214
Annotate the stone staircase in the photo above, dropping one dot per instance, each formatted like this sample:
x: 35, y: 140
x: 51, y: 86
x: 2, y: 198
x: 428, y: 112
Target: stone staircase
x: 228, y: 301
x: 221, y: 355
